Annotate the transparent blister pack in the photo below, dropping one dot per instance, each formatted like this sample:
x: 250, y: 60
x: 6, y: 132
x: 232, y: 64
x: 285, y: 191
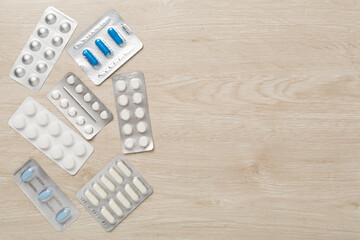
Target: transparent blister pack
x: 51, y: 136
x: 43, y: 49
x: 104, y: 47
x: 45, y: 195
x: 113, y: 193
x: 133, y: 112
x: 80, y: 105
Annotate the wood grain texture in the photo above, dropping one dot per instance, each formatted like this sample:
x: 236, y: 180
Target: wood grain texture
x: 255, y: 114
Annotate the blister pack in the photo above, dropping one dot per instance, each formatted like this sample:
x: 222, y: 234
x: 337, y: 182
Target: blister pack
x: 46, y: 195
x: 51, y: 136
x: 114, y: 193
x: 133, y: 112
x: 43, y: 48
x: 104, y: 47
x: 80, y: 105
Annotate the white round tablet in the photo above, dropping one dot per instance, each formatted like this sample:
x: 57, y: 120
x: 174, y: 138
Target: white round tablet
x: 44, y: 142
x: 19, y: 122
x: 69, y: 162
x: 64, y: 103
x: 144, y: 141
x: 129, y: 143
x: 29, y: 108
x: 104, y: 115
x: 87, y: 97
x: 135, y: 83
x: 42, y: 118
x: 123, y: 100
x: 79, y: 149
x: 89, y: 129
x: 127, y: 129
x: 139, y: 113
x: 67, y: 139
x: 54, y: 129
x: 120, y: 85
x: 70, y: 79
x: 80, y: 120
x: 95, y: 106
x: 57, y: 152
x: 55, y: 94
x: 72, y: 112
x: 79, y: 88
x: 141, y: 127
x: 125, y: 115
x: 137, y: 98
x: 31, y: 132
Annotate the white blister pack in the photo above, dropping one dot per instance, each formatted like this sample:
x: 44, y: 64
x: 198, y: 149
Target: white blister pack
x: 114, y: 193
x: 80, y: 105
x: 43, y: 48
x: 133, y: 112
x: 104, y: 47
x: 51, y: 136
x: 46, y: 195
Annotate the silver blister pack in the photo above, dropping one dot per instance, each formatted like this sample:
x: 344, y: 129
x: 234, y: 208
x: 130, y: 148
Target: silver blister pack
x: 133, y: 112
x: 46, y: 195
x: 80, y: 105
x: 43, y: 48
x: 104, y: 47
x: 114, y: 193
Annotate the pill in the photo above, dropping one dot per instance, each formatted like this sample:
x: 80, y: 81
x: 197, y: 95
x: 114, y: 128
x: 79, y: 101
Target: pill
x: 125, y: 115
x: 44, y: 142
x: 29, y: 108
x: 123, y: 200
x: 139, y: 185
x: 41, y: 67
x: 63, y: 215
x: 143, y: 141
x: 139, y: 113
x: 43, y: 32
x: 115, y: 36
x: 55, y: 94
x: 54, y: 129
x: 67, y: 139
x: 42, y: 118
x: 120, y: 85
x: 27, y: 59
x: 91, y: 197
x: 31, y: 132
x: 64, y: 103
x: 49, y: 54
x: 130, y: 191
x: 57, y: 41
x: 27, y: 175
x: 57, y: 153
x: 70, y: 79
x: 72, y: 112
x: 80, y: 120
x: 69, y: 162
x: 95, y: 106
x: 141, y: 127
x: 123, y: 100
x: 135, y: 83
x: 129, y: 143
x: 124, y: 169
x: 137, y: 98
x: 45, y: 195
x: 19, y: 72
x: 103, y: 48
x: 115, y: 207
x: 89, y: 129
x: 79, y: 88
x: 33, y: 81
x: 87, y: 97
x: 127, y: 129
x: 35, y: 45
x: 99, y: 190
x: 50, y: 18
x: 79, y: 149
x: 107, y: 183
x: 65, y: 27
x: 90, y: 57
x: 19, y: 122
x: 115, y: 175
x: 104, y: 115
x: 107, y: 215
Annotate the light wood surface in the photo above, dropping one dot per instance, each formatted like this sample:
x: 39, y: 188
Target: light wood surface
x: 255, y: 114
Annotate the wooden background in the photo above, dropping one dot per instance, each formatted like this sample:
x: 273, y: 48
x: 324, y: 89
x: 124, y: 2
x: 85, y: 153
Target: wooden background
x: 255, y: 113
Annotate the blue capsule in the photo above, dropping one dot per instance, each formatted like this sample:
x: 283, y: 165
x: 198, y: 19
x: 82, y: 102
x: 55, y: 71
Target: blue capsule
x: 90, y: 57
x: 27, y: 175
x: 63, y: 215
x: 115, y: 36
x: 103, y: 48
x: 45, y: 195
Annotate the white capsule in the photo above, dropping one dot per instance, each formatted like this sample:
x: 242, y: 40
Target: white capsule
x: 120, y: 85
x: 99, y: 190
x: 115, y: 175
x: 129, y: 143
x: 127, y: 129
x: 139, y: 185
x: 137, y: 98
x: 123, y: 100
x: 107, y: 183
x: 130, y: 191
x: 125, y: 115
x: 55, y: 94
x: 107, y: 215
x: 124, y: 169
x: 135, y: 83
x: 91, y: 197
x: 123, y: 200
x: 87, y: 97
x: 115, y: 207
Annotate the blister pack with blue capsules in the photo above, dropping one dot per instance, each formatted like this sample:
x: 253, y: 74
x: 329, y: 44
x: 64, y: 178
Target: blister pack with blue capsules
x: 104, y: 47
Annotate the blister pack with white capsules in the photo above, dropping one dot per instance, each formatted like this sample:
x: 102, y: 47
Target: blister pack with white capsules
x: 51, y: 136
x: 43, y: 49
x: 80, y: 105
x: 104, y: 47
x: 133, y: 112
x: 114, y: 193
x: 46, y: 195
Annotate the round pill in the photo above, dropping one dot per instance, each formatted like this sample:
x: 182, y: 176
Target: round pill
x: 65, y: 27
x: 120, y: 85
x: 54, y: 129
x: 87, y: 97
x: 57, y: 41
x: 19, y: 122
x: 50, y: 18
x: 49, y: 54
x: 42, y: 118
x: 33, y: 81
x: 70, y: 79
x: 79, y: 149
x: 137, y: 98
x: 127, y: 129
x: 43, y: 32
x: 144, y: 141
x: 80, y: 120
x: 19, y: 72
x: 125, y: 115
x: 31, y: 132
x: 35, y: 45
x: 123, y: 100
x: 89, y: 129
x: 141, y: 127
x: 129, y: 143
x: 72, y: 112
x: 41, y: 67
x: 79, y: 88
x: 27, y: 59
x: 139, y: 113
x: 55, y: 94
x: 104, y: 115
x: 67, y: 139
x: 95, y: 106
x: 64, y: 103
x: 135, y: 83
x: 44, y: 142
x: 69, y: 162
x: 57, y: 153
x: 29, y: 109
